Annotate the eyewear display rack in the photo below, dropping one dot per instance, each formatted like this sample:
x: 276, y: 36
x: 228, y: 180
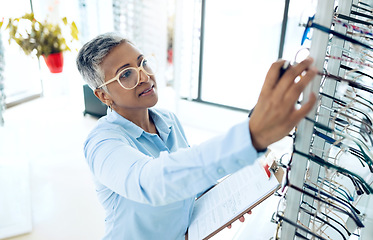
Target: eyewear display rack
x: 305, y: 141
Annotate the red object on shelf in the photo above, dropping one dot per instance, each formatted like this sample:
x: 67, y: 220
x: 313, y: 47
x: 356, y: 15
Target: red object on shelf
x: 54, y: 62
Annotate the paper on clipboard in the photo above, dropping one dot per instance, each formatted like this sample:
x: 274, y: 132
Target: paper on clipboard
x: 228, y: 200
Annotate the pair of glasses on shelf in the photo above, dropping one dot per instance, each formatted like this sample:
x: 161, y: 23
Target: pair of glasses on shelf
x: 350, y: 82
x: 354, y: 28
x: 286, y: 184
x: 364, y: 8
x: 365, y: 4
x: 354, y: 20
x: 357, y: 56
x: 366, y: 125
x: 357, y: 153
x: 330, y: 202
x: 349, y: 106
x: 336, y: 187
x: 279, y: 218
x: 348, y: 120
x: 365, y: 150
x: 311, y: 24
x: 321, y: 196
x: 367, y: 188
x: 356, y: 71
x: 329, y: 219
x: 349, y: 59
x: 358, y: 182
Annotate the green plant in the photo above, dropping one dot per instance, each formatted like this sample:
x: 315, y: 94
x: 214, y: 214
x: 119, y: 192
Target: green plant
x: 43, y: 38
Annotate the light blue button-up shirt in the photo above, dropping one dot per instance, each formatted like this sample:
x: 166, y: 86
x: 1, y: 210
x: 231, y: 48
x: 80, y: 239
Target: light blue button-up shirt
x: 147, y: 183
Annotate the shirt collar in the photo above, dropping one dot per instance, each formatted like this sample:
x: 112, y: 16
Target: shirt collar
x: 162, y: 124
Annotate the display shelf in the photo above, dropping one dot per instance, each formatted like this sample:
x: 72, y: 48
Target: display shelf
x: 301, y: 168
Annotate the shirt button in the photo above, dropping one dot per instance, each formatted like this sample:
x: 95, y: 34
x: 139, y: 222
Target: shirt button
x: 242, y: 162
x: 221, y: 171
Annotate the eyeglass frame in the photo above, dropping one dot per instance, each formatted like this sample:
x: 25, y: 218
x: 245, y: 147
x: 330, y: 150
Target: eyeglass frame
x: 331, y: 218
x: 137, y: 69
x: 315, y: 216
x: 286, y: 182
x: 311, y: 24
x: 297, y: 226
x: 338, y: 189
x: 350, y: 213
x: 357, y: 153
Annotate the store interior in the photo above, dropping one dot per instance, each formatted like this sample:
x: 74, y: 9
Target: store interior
x: 212, y: 57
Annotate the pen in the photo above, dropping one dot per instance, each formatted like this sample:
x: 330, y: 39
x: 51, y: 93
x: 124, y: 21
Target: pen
x: 283, y: 69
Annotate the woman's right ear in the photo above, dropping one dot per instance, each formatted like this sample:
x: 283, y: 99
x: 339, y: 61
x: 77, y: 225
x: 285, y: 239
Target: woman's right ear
x: 103, y: 96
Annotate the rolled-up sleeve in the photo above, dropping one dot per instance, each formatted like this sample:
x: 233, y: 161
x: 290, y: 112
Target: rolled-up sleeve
x: 172, y: 176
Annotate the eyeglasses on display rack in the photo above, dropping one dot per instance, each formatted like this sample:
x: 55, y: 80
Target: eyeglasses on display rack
x: 365, y: 4
x: 351, y: 150
x: 129, y: 78
x: 352, y: 70
x: 362, y: 8
x: 354, y: 96
x: 278, y: 217
x: 349, y: 122
x: 366, y: 125
x: 359, y: 186
x: 362, y: 14
x: 349, y: 59
x: 363, y: 148
x: 320, y: 186
x: 348, y: 106
x: 336, y: 199
x: 354, y: 20
x: 336, y: 188
x: 350, y: 114
x: 327, y: 202
x: 344, y: 126
x: 339, y: 222
x: 348, y: 81
x: 362, y: 57
x: 310, y: 24
x: 322, y: 221
x: 286, y: 184
x: 341, y: 170
x: 353, y: 27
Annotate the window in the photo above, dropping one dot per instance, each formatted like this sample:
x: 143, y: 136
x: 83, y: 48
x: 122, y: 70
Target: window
x: 21, y: 75
x: 239, y: 41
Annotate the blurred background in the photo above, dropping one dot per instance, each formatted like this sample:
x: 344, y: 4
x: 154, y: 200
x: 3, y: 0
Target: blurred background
x: 212, y: 60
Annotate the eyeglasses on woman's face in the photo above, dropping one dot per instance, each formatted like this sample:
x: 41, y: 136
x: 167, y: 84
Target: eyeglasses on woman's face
x: 129, y: 78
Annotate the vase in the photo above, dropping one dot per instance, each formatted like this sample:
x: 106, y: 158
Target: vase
x: 54, y: 62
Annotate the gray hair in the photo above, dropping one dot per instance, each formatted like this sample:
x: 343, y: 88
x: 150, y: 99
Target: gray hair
x: 91, y: 55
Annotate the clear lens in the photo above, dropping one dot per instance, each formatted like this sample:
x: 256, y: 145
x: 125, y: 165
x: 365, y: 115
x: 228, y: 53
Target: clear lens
x: 150, y: 65
x: 128, y: 78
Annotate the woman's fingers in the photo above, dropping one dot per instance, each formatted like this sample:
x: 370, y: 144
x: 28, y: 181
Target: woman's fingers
x: 297, y: 88
x: 275, y: 113
x: 241, y: 219
x: 289, y: 76
x: 272, y: 76
x: 304, y: 110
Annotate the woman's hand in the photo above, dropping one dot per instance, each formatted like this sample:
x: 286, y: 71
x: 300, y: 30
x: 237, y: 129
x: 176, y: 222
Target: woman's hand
x: 242, y: 219
x: 275, y: 114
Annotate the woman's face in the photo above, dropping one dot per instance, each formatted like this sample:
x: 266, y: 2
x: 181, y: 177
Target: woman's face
x: 143, y: 96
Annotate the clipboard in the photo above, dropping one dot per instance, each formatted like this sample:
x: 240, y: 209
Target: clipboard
x: 198, y: 230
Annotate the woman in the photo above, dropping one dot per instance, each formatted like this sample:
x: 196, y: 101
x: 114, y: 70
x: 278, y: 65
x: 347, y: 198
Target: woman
x: 146, y: 175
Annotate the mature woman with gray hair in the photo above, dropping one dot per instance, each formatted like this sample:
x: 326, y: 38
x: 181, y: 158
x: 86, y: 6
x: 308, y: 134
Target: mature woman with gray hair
x: 147, y: 176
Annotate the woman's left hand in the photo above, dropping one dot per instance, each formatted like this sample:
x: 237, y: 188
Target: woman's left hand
x: 242, y: 219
